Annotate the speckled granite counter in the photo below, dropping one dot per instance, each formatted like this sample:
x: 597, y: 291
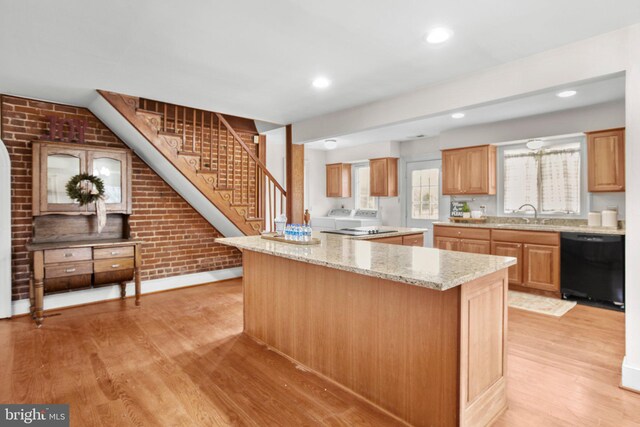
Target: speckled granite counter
x: 539, y: 227
x: 425, y: 267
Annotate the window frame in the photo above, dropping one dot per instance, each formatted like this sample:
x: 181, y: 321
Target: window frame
x: 410, y: 188
x: 584, y: 193
x: 356, y: 181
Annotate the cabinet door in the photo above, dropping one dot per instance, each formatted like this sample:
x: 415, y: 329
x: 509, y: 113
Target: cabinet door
x: 476, y: 171
x: 541, y: 267
x: 475, y: 246
x: 446, y: 243
x: 334, y: 180
x: 397, y: 240
x: 452, y: 172
x: 605, y: 152
x: 57, y: 166
x: 511, y: 250
x: 378, y: 177
x: 112, y: 168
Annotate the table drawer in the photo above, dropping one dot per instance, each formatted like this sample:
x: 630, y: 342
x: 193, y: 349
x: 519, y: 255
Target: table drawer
x: 114, y: 252
x: 101, y: 266
x: 52, y: 256
x: 68, y: 269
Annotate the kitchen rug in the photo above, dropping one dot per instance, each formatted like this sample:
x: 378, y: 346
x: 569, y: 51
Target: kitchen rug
x: 538, y: 304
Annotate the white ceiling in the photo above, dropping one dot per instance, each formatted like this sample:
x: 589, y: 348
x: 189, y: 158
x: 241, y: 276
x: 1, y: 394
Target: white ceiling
x: 590, y: 93
x: 256, y: 58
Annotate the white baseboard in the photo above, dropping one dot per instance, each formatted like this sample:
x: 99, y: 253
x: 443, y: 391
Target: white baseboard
x: 113, y: 292
x: 630, y: 375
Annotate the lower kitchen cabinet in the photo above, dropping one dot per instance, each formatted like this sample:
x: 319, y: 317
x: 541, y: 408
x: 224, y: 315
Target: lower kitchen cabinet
x: 406, y: 240
x: 446, y: 243
x: 475, y: 246
x: 463, y: 239
x: 541, y: 267
x: 513, y: 250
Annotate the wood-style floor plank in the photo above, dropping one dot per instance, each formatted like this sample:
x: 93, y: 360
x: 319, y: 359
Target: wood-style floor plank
x: 181, y: 359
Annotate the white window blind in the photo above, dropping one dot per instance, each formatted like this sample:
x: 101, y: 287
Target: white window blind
x: 549, y: 179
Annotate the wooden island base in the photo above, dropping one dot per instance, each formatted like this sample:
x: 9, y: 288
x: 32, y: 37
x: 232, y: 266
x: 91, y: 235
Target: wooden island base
x: 427, y: 356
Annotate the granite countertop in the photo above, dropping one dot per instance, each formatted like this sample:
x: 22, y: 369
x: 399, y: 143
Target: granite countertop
x: 419, y: 266
x: 538, y: 227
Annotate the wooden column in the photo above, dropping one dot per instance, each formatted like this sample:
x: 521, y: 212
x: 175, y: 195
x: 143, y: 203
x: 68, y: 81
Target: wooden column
x: 260, y: 187
x: 295, y: 180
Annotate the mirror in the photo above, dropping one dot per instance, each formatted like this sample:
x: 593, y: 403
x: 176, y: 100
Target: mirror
x: 110, y: 171
x: 61, y: 168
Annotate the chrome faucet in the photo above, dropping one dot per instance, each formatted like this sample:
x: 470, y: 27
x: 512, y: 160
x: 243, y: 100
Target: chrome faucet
x: 535, y: 211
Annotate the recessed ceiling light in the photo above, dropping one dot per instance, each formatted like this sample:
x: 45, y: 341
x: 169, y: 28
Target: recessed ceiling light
x: 566, y: 93
x: 330, y: 144
x: 438, y: 35
x: 321, y: 82
x: 457, y: 115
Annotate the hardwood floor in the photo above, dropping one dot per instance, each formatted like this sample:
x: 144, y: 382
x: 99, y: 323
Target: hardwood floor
x: 180, y: 359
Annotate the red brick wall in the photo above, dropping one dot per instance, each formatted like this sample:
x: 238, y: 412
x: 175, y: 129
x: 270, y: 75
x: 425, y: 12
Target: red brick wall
x: 178, y: 240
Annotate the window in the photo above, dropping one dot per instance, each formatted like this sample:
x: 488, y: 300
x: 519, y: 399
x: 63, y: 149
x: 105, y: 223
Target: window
x: 424, y: 193
x: 549, y: 179
x: 363, y: 200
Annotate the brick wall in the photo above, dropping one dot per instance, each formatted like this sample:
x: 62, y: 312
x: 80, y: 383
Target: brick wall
x: 178, y: 240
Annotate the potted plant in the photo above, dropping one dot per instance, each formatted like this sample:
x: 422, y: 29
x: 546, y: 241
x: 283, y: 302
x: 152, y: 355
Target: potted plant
x: 466, y: 210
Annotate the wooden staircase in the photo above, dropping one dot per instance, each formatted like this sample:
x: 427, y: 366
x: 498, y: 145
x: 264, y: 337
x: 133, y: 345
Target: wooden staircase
x: 211, y: 154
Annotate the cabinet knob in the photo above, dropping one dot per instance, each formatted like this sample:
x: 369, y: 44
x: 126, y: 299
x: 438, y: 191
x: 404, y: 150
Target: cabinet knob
x: 70, y: 270
x: 68, y: 255
x: 114, y: 252
x: 115, y: 265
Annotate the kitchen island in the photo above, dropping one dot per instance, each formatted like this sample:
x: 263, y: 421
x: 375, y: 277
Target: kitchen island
x: 419, y: 332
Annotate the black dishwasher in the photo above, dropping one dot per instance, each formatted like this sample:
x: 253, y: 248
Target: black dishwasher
x: 592, y: 267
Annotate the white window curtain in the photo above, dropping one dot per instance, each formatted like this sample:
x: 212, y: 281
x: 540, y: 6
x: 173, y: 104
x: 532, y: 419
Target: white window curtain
x: 549, y: 179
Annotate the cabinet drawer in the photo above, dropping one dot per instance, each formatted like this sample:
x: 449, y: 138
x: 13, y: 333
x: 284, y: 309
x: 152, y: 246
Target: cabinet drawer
x: 413, y: 240
x: 115, y: 252
x: 532, y: 237
x: 397, y: 240
x: 53, y: 256
x: 114, y: 264
x: 68, y: 269
x: 462, y: 232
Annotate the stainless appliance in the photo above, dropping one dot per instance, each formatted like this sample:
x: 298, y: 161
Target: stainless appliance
x: 592, y: 268
x: 359, y: 231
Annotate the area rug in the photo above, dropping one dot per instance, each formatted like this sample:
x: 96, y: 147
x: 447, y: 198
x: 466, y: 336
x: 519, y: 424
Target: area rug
x: 538, y: 304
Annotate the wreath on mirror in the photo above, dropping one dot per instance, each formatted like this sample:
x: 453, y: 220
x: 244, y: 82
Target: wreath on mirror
x: 85, y: 189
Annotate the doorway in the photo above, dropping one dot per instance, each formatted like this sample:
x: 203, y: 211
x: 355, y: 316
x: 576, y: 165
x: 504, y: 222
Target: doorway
x: 423, y: 202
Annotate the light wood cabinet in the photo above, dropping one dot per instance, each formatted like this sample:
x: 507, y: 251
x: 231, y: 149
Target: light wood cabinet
x: 541, y: 267
x: 406, y: 240
x: 513, y: 250
x: 475, y: 246
x: 463, y: 239
x: 338, y: 180
x: 469, y: 170
x: 54, y: 164
x: 605, y: 157
x: 538, y: 255
x: 383, y: 177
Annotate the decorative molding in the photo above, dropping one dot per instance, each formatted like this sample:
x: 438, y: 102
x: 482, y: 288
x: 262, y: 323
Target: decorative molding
x: 630, y: 376
x: 69, y: 299
x: 5, y: 232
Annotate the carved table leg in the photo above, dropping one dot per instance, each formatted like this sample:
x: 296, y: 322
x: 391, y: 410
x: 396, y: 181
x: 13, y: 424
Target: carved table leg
x: 38, y: 286
x: 123, y: 290
x: 32, y: 295
x: 137, y: 261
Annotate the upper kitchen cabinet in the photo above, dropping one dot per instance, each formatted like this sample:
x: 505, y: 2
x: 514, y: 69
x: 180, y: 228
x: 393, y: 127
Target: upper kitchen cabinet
x: 469, y: 170
x: 339, y: 180
x: 605, y: 155
x: 54, y: 164
x: 384, y: 177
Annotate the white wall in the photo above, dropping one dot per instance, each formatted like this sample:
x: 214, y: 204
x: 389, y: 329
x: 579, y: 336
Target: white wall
x: 276, y: 154
x: 5, y: 232
x: 318, y: 204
